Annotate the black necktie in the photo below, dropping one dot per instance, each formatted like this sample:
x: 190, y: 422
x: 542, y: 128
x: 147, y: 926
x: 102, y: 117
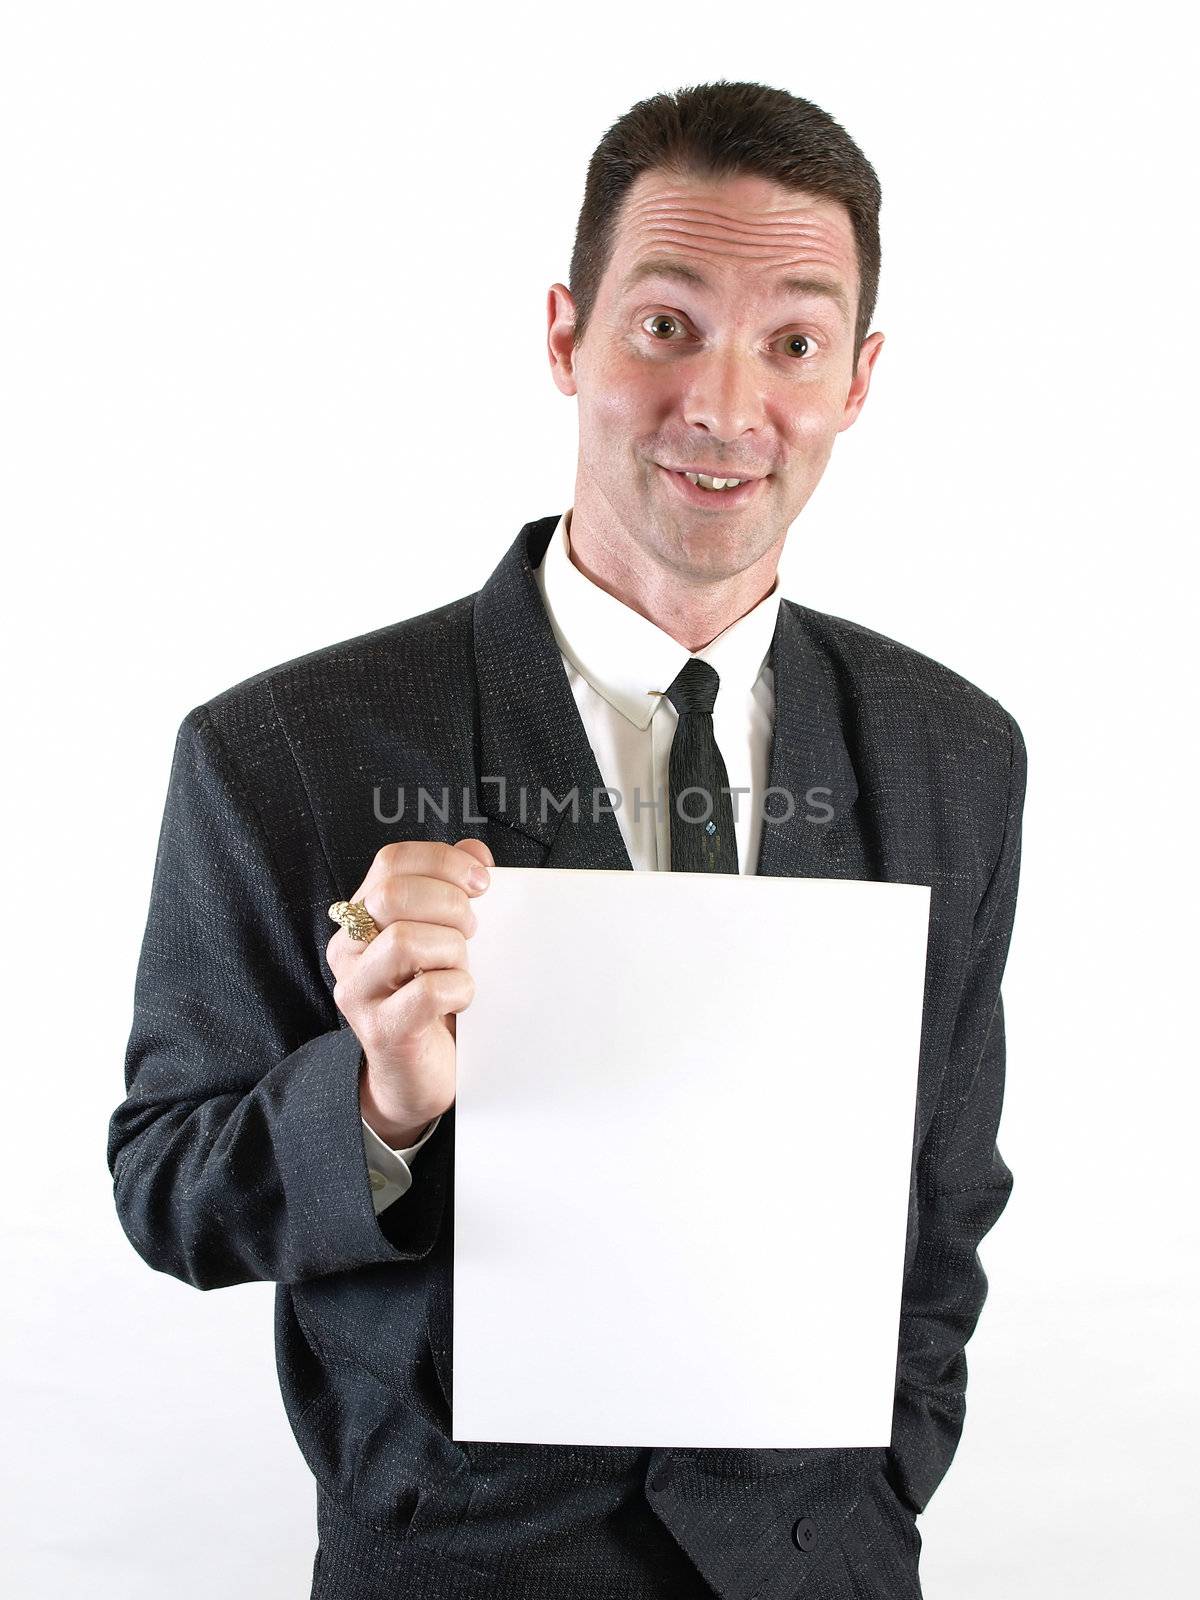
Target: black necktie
x: 702, y: 837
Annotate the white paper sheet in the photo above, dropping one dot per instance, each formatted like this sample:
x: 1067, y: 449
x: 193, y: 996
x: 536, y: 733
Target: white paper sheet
x: 683, y: 1138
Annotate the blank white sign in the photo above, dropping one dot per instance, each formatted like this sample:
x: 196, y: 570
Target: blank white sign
x: 684, y: 1130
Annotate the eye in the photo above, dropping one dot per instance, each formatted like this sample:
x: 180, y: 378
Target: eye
x: 661, y: 317
x: 802, y: 339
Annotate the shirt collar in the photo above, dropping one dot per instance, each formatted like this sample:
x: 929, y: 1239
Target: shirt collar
x: 624, y: 655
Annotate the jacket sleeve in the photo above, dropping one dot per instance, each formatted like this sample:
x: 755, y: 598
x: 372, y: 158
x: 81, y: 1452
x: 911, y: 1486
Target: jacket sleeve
x: 237, y: 1154
x: 962, y: 1186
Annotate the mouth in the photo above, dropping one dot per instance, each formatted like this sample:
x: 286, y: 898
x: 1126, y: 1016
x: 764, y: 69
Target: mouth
x: 693, y: 494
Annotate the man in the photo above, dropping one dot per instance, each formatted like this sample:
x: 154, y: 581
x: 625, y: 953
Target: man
x: 289, y: 1113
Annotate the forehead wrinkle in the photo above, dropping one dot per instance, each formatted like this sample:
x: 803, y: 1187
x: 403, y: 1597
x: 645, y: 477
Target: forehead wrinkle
x: 741, y: 227
x: 822, y: 239
x: 814, y: 250
x: 675, y: 265
x: 778, y: 245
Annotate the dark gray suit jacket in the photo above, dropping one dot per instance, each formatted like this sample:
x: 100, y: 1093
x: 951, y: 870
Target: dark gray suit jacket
x: 237, y: 1153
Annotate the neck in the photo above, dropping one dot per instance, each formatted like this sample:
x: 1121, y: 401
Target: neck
x: 692, y: 607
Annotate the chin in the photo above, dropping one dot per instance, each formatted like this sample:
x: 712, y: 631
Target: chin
x: 710, y: 558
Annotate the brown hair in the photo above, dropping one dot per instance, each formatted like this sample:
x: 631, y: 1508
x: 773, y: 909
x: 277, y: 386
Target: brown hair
x: 717, y: 130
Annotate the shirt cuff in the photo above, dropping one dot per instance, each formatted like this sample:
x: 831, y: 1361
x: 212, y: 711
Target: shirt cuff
x: 388, y: 1169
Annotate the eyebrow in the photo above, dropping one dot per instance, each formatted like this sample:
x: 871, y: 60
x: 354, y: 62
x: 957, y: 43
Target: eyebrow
x: 682, y: 272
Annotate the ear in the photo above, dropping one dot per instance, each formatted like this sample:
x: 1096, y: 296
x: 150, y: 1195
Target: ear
x: 560, y: 337
x: 857, y: 396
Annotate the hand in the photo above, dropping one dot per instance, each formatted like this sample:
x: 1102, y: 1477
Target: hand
x: 419, y: 893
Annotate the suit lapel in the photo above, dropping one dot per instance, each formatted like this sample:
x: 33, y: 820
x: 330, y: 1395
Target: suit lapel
x: 812, y: 786
x: 534, y: 751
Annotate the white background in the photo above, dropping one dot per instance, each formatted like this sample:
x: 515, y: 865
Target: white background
x: 273, y: 373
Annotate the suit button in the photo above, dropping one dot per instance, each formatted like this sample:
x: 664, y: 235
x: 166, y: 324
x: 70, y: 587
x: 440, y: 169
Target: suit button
x: 804, y: 1534
x: 661, y: 1480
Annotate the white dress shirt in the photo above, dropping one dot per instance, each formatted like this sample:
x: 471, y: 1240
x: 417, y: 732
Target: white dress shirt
x: 614, y: 660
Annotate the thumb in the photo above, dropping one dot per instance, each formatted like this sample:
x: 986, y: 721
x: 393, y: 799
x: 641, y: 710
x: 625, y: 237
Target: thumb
x: 476, y: 848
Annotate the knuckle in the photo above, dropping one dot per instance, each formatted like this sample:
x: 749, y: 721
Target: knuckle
x: 399, y: 953
x: 386, y: 900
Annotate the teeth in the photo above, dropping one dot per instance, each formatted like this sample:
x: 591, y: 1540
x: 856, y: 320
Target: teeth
x: 711, y: 483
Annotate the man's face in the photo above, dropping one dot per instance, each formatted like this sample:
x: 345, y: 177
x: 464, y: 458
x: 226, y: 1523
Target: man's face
x: 712, y: 367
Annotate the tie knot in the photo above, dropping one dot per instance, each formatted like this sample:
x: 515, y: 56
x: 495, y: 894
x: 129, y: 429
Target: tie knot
x: 695, y: 688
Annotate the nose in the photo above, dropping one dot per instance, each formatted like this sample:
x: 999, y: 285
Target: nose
x: 724, y: 395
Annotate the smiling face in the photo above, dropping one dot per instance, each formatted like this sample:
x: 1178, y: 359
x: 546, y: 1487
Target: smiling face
x: 721, y: 341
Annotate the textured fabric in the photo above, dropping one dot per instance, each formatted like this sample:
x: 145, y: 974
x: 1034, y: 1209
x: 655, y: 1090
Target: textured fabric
x: 237, y: 1153
x: 702, y: 836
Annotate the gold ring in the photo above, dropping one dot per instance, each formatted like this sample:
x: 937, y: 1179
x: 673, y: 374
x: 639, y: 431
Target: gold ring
x: 355, y: 918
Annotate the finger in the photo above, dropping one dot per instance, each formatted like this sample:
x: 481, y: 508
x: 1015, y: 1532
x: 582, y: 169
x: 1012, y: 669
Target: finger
x: 391, y: 959
x: 342, y: 952
x: 407, y: 897
x: 425, y: 1000
x: 425, y: 858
